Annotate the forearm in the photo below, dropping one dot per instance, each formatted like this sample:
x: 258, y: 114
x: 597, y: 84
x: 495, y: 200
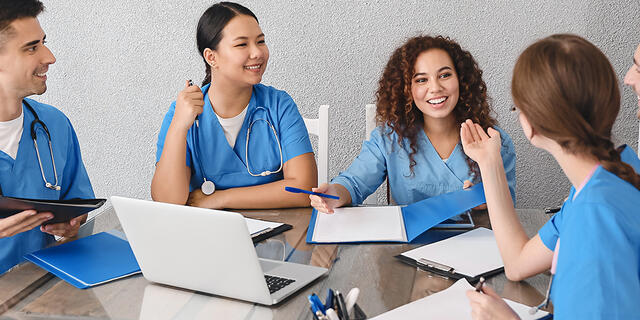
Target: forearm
x: 171, y: 179
x: 510, y: 235
x: 267, y: 196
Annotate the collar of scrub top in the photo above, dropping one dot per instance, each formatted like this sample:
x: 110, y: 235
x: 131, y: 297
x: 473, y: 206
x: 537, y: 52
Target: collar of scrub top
x: 208, y: 187
x: 36, y: 121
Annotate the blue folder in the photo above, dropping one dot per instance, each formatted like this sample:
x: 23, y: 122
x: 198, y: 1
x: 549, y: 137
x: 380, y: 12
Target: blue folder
x: 426, y: 214
x: 89, y: 261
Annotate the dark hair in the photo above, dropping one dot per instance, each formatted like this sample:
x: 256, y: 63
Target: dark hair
x: 210, y: 26
x: 11, y: 10
x: 568, y: 91
x: 395, y: 106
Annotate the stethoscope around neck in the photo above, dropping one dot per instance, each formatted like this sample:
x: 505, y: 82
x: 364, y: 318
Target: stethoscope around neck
x: 36, y: 121
x: 208, y: 187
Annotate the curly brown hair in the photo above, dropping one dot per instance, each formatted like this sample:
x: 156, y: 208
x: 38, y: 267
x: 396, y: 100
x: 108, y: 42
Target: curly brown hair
x: 396, y: 109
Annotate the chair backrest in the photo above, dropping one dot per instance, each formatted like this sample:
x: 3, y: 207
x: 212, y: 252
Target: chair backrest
x: 370, y: 119
x: 320, y: 128
x: 638, y: 141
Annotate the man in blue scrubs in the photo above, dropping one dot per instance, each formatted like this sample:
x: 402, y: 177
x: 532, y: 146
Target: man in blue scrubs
x: 54, y: 175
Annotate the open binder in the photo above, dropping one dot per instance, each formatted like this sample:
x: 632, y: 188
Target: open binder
x: 391, y: 223
x: 63, y: 210
x: 470, y: 255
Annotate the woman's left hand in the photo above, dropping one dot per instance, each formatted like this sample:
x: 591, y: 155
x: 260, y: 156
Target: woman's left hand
x: 488, y: 305
x: 67, y: 229
x: 468, y: 184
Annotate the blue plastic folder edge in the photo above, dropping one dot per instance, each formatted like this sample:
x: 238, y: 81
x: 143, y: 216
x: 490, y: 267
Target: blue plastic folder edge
x: 426, y: 214
x: 423, y: 215
x: 89, y: 261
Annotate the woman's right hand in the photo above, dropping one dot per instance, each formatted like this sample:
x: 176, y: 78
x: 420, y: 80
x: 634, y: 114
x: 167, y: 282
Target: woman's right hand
x: 323, y: 204
x: 22, y: 221
x: 189, y: 105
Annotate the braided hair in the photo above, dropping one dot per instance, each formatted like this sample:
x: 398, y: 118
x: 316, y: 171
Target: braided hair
x: 568, y: 91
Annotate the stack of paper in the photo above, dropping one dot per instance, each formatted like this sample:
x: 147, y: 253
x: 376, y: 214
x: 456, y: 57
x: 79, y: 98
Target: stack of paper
x: 451, y: 303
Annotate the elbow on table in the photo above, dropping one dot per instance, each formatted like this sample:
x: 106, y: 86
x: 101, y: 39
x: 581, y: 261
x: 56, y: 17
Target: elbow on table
x: 514, y: 274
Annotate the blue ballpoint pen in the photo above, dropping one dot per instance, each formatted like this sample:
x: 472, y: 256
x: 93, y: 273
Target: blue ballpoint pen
x: 296, y: 190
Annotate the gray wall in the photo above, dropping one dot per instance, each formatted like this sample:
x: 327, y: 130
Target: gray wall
x: 121, y: 63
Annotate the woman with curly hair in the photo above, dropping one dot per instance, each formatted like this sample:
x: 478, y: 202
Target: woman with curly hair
x: 428, y: 88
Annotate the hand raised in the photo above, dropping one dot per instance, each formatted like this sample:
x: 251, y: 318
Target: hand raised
x: 478, y: 145
x: 189, y: 105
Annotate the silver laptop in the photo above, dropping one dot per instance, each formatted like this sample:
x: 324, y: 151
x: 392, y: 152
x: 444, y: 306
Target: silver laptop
x: 206, y: 250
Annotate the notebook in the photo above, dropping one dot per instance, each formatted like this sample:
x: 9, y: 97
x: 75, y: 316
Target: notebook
x: 470, y: 255
x: 63, y: 210
x: 89, y: 261
x: 391, y: 223
x: 451, y: 303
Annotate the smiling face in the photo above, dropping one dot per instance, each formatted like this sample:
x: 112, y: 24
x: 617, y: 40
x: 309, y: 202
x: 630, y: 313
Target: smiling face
x: 24, y: 59
x: 241, y: 56
x: 434, y: 85
x: 632, y: 78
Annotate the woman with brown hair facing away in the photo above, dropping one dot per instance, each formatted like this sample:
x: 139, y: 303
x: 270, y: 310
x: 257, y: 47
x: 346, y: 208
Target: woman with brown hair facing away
x: 568, y: 98
x: 428, y: 88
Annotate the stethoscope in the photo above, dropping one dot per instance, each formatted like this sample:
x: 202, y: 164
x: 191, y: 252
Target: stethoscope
x: 554, y: 264
x: 208, y: 187
x: 34, y: 137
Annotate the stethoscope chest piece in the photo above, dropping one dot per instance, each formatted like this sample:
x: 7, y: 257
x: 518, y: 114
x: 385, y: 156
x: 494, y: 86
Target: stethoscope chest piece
x: 208, y: 187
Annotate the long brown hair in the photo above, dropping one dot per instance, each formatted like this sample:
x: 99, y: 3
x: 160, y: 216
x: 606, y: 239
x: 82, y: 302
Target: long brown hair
x: 396, y: 108
x: 568, y: 91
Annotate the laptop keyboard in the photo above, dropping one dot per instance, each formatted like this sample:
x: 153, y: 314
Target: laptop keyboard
x: 276, y: 283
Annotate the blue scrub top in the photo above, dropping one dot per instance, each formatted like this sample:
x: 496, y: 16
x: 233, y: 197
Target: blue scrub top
x: 381, y: 156
x: 227, y: 166
x: 22, y: 178
x: 598, y: 268
x: 630, y: 157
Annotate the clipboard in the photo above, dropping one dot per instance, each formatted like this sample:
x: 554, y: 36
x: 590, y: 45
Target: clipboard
x: 63, y: 210
x: 470, y: 255
x: 400, y: 225
x: 270, y: 232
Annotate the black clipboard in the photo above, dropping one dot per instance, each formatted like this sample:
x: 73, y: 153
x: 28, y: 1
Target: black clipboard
x: 63, y: 210
x: 268, y: 233
x: 446, y: 271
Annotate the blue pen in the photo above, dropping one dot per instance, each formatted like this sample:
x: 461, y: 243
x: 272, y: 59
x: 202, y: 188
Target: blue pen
x: 296, y: 190
x: 318, y: 304
x: 328, y: 302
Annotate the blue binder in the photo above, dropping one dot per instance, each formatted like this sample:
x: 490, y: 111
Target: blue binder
x: 426, y: 214
x: 89, y: 261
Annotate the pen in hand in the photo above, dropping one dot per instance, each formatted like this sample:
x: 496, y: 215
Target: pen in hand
x: 480, y: 284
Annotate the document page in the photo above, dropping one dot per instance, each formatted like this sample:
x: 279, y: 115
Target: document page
x: 451, y: 303
x: 256, y: 226
x: 471, y: 253
x: 357, y: 224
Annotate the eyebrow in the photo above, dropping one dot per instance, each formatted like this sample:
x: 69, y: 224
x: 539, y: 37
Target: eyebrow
x: 439, y: 70
x: 247, y: 38
x: 34, y: 42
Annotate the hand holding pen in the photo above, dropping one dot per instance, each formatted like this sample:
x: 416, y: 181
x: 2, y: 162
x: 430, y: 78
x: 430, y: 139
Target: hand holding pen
x: 189, y: 105
x: 487, y: 304
x: 326, y: 205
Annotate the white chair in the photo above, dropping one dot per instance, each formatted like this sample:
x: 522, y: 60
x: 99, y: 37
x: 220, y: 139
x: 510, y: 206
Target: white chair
x: 638, y: 141
x: 320, y: 128
x: 370, y: 119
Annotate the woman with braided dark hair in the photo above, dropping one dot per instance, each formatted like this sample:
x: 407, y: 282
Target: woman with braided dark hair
x: 428, y: 88
x: 568, y: 97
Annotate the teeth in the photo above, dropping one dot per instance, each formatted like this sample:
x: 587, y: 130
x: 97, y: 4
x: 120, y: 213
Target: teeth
x: 41, y: 74
x: 252, y: 67
x: 437, y: 101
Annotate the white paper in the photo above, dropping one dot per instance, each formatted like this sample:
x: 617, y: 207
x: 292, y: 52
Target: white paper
x: 471, y: 253
x: 355, y: 224
x: 255, y: 226
x: 451, y: 303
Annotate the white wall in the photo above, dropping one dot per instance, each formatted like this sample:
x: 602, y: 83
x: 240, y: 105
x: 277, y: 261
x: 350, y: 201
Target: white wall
x: 121, y: 63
